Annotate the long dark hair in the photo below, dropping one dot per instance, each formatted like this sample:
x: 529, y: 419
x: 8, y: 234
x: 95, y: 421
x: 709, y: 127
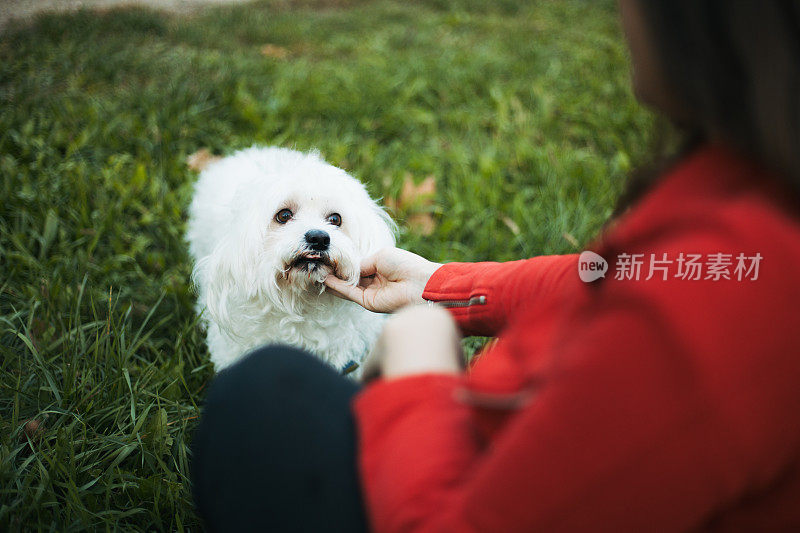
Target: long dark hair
x: 734, y: 65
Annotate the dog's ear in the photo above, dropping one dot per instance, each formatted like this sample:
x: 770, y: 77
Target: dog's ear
x: 227, y: 277
x: 377, y: 230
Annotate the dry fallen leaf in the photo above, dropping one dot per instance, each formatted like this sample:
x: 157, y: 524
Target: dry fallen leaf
x: 33, y: 428
x: 511, y: 224
x: 415, y: 201
x: 421, y: 223
x: 570, y: 239
x: 417, y: 195
x: 274, y: 51
x: 413, y: 196
x: 199, y: 160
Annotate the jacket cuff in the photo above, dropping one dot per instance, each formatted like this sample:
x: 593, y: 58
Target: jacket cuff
x: 456, y: 286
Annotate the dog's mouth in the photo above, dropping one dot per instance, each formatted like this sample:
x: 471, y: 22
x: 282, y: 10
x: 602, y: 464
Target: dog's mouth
x: 311, y: 262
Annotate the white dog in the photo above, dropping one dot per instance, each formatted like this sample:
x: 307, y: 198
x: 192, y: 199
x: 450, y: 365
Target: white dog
x: 266, y: 226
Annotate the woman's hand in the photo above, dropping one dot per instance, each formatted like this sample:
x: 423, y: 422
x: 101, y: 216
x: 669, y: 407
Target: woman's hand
x: 390, y: 279
x: 416, y: 340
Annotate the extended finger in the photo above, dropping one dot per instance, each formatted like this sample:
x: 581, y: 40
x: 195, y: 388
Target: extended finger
x: 342, y: 289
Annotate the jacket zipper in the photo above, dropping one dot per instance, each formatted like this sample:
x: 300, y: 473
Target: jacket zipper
x: 475, y: 300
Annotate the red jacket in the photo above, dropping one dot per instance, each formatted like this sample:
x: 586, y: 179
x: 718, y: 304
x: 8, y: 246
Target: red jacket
x: 616, y: 405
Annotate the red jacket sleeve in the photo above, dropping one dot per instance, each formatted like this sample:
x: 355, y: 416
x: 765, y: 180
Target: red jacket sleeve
x: 482, y: 297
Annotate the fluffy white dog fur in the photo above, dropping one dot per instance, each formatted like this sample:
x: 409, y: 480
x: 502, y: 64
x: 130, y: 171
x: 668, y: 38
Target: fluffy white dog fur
x: 259, y: 280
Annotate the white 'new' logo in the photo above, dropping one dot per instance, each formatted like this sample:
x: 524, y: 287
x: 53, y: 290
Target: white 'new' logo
x: 591, y: 266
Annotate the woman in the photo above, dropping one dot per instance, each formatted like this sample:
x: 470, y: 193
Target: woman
x: 664, y: 396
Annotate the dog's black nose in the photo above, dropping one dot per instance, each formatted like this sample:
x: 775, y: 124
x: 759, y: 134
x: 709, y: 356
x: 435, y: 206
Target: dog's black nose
x: 318, y: 239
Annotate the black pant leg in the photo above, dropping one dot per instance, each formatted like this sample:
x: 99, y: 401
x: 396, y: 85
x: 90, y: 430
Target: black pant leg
x: 275, y: 448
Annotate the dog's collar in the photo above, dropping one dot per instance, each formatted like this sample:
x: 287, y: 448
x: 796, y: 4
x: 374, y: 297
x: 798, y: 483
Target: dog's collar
x: 350, y: 366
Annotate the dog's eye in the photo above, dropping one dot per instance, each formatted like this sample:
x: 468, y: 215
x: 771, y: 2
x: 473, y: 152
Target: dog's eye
x: 283, y: 216
x: 335, y: 219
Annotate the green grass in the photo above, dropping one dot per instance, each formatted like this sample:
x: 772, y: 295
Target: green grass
x: 521, y: 110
